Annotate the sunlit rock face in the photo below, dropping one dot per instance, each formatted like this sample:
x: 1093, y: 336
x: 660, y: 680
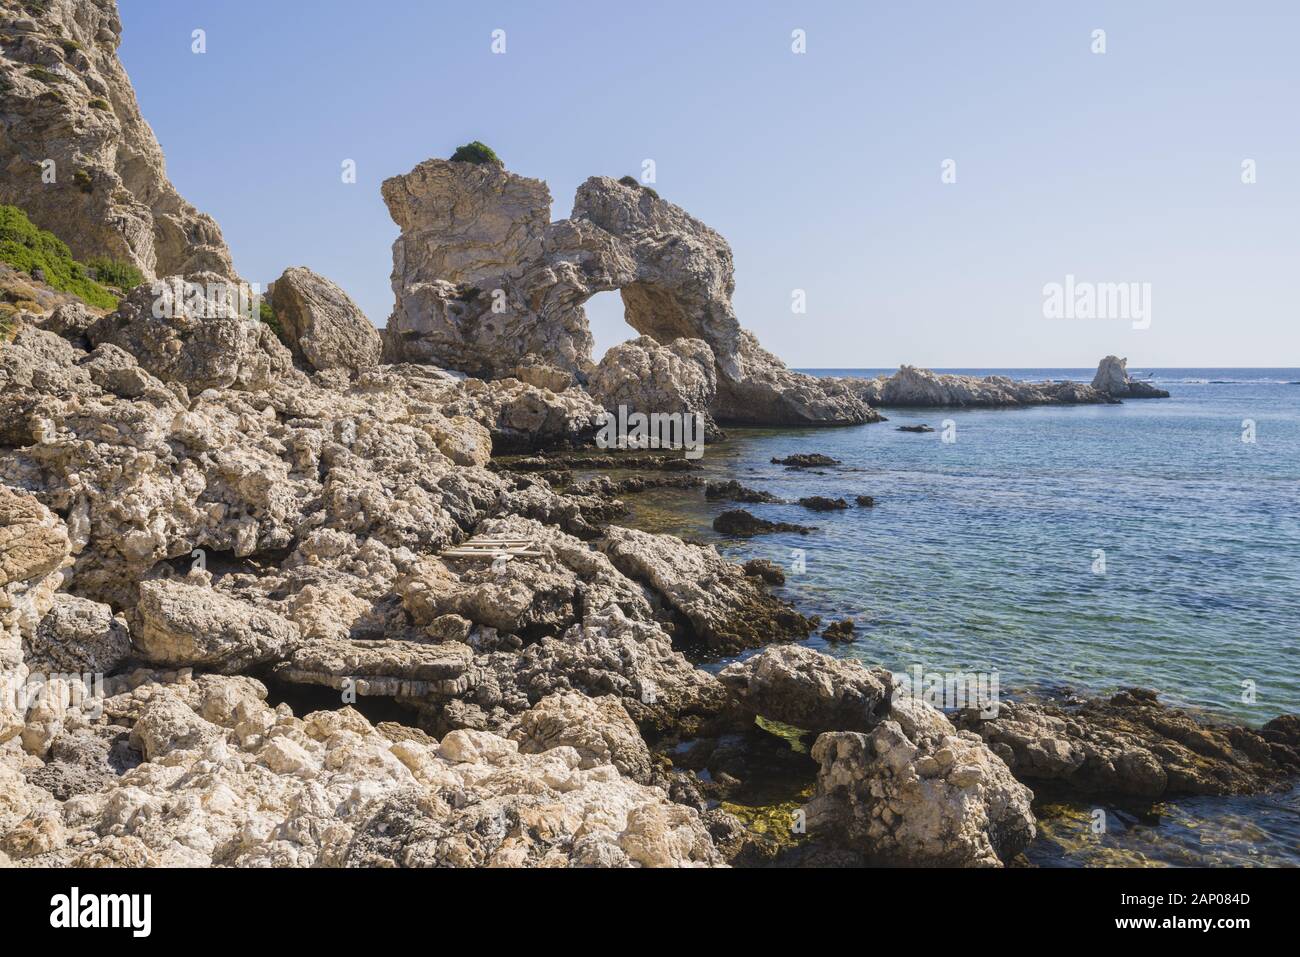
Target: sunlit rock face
x: 76, y: 154
x: 483, y: 278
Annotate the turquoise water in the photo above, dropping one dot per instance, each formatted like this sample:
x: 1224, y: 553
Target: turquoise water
x: 980, y: 555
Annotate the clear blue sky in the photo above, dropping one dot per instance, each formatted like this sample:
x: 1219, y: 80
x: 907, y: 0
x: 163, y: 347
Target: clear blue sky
x: 822, y: 170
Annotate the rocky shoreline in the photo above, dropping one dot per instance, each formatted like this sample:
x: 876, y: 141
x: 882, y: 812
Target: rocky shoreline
x: 241, y: 623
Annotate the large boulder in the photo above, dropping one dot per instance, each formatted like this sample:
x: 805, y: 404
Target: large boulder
x: 67, y: 99
x: 322, y: 326
x: 599, y: 729
x: 917, y: 792
x: 184, y: 623
x: 644, y: 376
x: 78, y: 636
x: 810, y: 690
x: 483, y: 278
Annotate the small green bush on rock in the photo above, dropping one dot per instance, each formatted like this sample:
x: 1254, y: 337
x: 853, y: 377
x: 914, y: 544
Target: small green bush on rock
x: 98, y: 103
x: 110, y: 272
x: 476, y: 152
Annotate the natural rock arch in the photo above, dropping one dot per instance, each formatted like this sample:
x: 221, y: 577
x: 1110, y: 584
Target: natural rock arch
x: 483, y: 279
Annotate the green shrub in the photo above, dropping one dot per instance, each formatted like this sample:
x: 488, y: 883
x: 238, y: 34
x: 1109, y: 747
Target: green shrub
x: 85, y: 182
x: 268, y: 316
x: 633, y: 181
x: 69, y: 47
x: 110, y: 272
x: 475, y: 152
x: 27, y: 247
x: 100, y: 104
x: 44, y: 75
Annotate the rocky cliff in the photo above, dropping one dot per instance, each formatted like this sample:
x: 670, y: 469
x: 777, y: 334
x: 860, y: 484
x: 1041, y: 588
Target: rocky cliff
x: 76, y: 154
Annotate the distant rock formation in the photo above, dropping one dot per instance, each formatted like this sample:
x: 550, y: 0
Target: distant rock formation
x: 922, y: 388
x: 67, y: 100
x: 482, y: 277
x: 1112, y: 378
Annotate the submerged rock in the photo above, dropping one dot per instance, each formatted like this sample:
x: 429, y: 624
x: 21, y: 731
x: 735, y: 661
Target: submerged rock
x: 737, y: 521
x: 820, y: 503
x: 768, y: 570
x: 806, y: 460
x: 840, y: 630
x: 733, y: 491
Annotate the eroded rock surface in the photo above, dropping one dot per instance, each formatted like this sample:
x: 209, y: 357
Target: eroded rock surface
x: 482, y: 278
x: 812, y: 691
x: 68, y: 99
x: 323, y: 327
x: 1130, y: 744
x: 917, y: 791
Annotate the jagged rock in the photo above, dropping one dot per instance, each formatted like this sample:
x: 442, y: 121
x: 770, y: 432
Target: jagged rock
x: 914, y: 428
x: 866, y: 501
x: 1112, y: 378
x: 482, y: 278
x: 608, y: 654
x: 229, y: 781
x: 733, y: 491
x: 78, y: 636
x: 323, y: 327
x: 820, y: 503
x: 1131, y: 744
x: 725, y: 608
x: 806, y: 460
x: 179, y: 333
x: 535, y: 371
x: 915, y: 791
x: 921, y: 388
x: 812, y: 691
x: 737, y: 521
x: 840, y: 630
x: 389, y: 668
x: 34, y: 550
x: 764, y: 568
x: 181, y: 623
x: 599, y: 729
x: 68, y: 99
x: 644, y: 376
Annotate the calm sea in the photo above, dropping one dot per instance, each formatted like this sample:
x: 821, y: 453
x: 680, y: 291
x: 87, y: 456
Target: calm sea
x: 1153, y: 543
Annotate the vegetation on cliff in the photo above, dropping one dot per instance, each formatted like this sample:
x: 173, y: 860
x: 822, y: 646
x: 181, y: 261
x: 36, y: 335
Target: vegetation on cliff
x: 29, y: 248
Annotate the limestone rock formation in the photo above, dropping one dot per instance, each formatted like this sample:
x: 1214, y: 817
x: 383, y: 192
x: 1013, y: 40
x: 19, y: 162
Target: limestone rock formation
x: 914, y: 387
x: 1113, y: 379
x: 323, y: 327
x: 482, y: 277
x: 916, y: 791
x: 1131, y: 744
x: 812, y: 691
x: 66, y: 98
x: 220, y: 778
x: 644, y: 376
x: 724, y: 607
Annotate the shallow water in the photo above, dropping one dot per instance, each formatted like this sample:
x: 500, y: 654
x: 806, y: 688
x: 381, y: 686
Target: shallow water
x: 982, y: 554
